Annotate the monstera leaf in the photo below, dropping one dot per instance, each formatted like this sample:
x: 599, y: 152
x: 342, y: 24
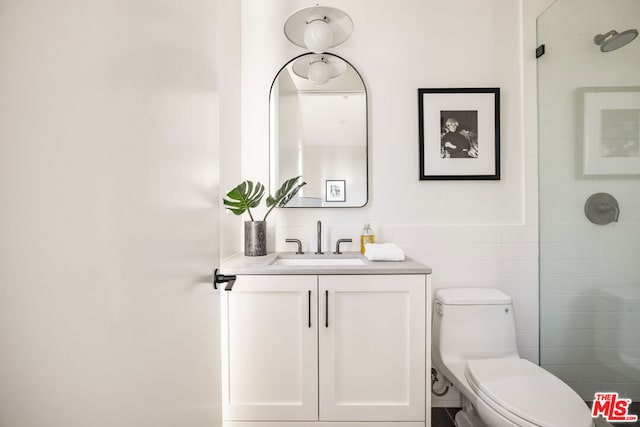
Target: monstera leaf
x: 285, y: 193
x: 243, y: 197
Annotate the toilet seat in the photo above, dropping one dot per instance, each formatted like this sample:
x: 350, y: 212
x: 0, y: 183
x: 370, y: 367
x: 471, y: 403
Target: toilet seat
x: 520, y: 390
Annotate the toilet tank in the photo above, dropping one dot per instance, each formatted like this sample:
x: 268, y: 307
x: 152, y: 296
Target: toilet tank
x: 473, y: 323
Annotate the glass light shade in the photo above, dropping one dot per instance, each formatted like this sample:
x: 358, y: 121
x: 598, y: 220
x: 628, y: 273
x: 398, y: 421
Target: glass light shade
x: 318, y: 36
x: 319, y: 72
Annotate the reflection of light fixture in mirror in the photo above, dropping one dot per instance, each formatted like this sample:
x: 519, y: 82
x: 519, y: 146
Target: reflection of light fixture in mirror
x: 319, y: 72
x: 319, y: 68
x: 318, y: 28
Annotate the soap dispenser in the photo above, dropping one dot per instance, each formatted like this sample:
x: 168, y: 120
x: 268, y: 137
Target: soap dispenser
x: 367, y: 236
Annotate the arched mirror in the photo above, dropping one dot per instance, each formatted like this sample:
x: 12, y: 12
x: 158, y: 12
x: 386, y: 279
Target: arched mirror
x: 319, y: 131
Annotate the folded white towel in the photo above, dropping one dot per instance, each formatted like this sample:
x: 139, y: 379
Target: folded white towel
x: 383, y: 252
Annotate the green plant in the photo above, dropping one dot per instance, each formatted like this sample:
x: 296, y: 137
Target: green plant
x: 247, y: 195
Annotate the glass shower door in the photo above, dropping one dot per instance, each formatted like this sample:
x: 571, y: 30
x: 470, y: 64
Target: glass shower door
x: 589, y: 169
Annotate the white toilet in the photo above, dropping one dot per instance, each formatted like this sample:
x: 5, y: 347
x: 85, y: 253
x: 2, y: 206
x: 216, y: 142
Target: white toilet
x: 475, y: 348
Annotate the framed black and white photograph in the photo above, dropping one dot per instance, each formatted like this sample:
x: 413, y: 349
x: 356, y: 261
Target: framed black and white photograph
x: 336, y: 191
x: 611, y: 131
x: 459, y: 133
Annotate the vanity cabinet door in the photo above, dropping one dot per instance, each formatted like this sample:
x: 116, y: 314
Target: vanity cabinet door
x: 372, y: 347
x: 269, y: 348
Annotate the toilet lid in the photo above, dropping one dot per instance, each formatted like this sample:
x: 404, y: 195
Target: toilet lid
x: 522, y: 388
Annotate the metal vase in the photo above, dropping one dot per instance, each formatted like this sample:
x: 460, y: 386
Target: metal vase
x: 255, y: 238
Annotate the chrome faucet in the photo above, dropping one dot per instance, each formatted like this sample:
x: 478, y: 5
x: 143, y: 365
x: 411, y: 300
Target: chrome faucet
x: 299, y: 251
x: 337, y: 252
x: 319, y: 252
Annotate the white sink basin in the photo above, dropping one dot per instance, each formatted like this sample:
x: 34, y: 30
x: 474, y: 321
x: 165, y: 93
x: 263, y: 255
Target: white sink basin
x: 318, y: 262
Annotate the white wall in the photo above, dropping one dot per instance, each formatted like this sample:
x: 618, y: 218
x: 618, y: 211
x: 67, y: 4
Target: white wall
x: 419, y: 49
x: 585, y: 330
x: 230, y: 129
x: 472, y: 233
x: 109, y: 189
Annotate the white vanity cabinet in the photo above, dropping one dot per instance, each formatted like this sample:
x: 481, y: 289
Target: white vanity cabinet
x: 372, y: 348
x: 326, y: 350
x: 270, y: 349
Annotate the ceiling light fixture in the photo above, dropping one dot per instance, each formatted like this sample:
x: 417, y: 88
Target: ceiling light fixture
x: 318, y: 28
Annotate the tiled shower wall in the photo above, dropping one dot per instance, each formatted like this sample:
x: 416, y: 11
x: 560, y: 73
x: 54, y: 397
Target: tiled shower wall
x: 589, y: 337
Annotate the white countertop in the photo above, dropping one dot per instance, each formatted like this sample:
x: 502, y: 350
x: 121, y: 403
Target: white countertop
x: 240, y: 264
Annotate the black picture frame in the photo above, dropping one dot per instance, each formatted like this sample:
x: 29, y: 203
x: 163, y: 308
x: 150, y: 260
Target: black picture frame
x: 459, y: 131
x: 335, y: 190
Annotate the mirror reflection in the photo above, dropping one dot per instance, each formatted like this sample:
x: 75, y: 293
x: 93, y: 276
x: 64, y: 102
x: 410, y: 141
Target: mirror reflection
x: 319, y: 130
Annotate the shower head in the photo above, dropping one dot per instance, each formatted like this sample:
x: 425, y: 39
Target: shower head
x: 614, y: 40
